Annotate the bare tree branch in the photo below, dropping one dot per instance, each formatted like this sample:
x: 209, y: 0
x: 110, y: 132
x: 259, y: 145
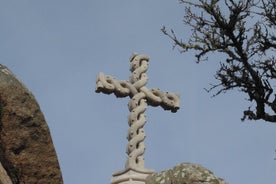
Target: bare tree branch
x: 244, y: 31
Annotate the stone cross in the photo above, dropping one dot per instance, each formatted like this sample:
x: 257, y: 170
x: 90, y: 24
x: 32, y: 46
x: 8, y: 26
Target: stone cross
x: 141, y: 96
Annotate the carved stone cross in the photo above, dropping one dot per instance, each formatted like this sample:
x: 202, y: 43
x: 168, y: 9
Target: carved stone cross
x: 141, y: 96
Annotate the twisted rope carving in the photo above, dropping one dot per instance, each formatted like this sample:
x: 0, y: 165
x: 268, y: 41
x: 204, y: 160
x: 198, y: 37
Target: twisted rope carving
x: 136, y: 135
x: 155, y: 97
x: 141, y: 96
x: 107, y: 84
x: 137, y: 106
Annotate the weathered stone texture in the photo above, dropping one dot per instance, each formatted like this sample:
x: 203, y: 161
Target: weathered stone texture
x: 185, y: 173
x: 4, y: 178
x: 26, y: 149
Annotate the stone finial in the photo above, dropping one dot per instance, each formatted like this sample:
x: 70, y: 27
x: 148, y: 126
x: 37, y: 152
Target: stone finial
x: 141, y: 96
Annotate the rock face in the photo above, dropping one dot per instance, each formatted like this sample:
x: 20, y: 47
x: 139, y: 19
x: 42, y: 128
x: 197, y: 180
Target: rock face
x: 27, y: 153
x: 185, y: 173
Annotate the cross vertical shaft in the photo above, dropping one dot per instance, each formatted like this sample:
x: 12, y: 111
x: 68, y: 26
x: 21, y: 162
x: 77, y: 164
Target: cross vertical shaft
x: 140, y: 96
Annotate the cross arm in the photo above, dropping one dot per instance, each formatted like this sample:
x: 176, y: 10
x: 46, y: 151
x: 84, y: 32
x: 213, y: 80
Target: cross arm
x: 108, y: 84
x: 155, y: 97
x: 167, y: 100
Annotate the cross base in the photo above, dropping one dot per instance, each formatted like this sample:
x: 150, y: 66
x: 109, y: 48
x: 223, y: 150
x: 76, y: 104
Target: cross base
x: 130, y: 176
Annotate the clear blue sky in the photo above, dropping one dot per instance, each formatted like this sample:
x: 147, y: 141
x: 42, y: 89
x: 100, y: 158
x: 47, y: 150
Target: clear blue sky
x: 57, y: 48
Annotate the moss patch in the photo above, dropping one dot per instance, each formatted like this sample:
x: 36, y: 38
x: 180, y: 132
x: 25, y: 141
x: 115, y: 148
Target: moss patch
x: 185, y: 173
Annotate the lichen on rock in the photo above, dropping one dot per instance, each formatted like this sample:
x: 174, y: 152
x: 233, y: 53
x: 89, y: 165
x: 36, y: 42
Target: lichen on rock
x: 185, y: 173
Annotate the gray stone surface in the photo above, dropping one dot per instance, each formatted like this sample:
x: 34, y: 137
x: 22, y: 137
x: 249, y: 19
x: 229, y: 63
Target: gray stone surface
x: 185, y: 173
